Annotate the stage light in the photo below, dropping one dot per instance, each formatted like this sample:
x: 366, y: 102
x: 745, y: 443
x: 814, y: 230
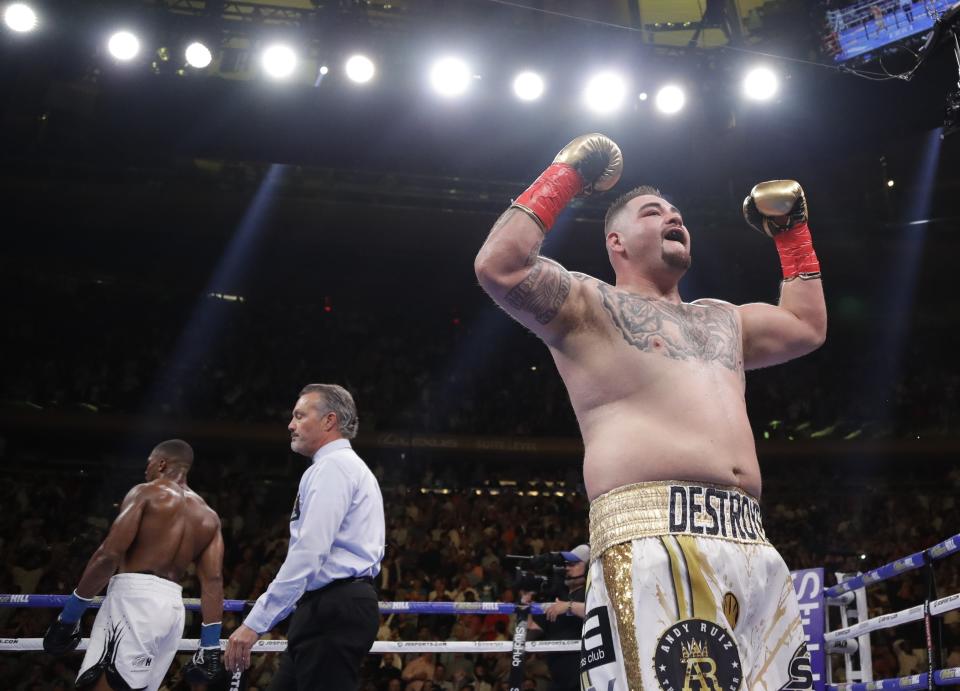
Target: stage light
x: 198, y: 55
x: 890, y: 183
x: 760, y: 84
x: 123, y: 45
x: 20, y: 17
x: 360, y: 69
x: 450, y: 76
x: 278, y: 60
x: 643, y: 96
x: 605, y: 92
x: 324, y: 70
x: 670, y: 99
x: 528, y: 86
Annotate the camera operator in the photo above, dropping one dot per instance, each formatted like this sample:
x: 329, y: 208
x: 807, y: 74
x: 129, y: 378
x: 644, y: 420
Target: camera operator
x: 563, y: 620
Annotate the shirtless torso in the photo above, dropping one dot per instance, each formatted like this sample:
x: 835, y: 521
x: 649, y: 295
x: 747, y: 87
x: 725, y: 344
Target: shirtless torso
x: 657, y: 384
x: 176, y: 526
x: 163, y: 526
x: 658, y: 390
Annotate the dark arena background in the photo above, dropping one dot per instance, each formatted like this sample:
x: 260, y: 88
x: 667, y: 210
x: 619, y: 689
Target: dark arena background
x: 184, y: 247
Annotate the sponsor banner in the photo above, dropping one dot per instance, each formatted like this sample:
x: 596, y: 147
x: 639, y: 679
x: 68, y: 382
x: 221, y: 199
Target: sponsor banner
x: 809, y: 586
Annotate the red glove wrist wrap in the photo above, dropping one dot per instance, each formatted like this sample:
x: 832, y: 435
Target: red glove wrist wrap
x: 796, y: 252
x: 550, y: 192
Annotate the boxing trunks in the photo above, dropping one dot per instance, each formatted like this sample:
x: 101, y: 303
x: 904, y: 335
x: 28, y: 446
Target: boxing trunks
x: 685, y: 593
x: 136, y: 632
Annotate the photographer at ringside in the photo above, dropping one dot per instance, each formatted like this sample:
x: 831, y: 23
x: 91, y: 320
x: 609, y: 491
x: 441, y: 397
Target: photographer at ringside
x: 563, y: 620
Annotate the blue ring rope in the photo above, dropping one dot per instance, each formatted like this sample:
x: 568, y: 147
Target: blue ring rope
x: 193, y: 604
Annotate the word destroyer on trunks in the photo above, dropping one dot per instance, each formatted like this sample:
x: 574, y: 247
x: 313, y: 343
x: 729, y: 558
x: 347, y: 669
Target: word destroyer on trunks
x: 715, y: 511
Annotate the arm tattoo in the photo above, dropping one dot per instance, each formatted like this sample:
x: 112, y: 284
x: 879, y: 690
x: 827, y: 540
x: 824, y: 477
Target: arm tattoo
x: 542, y: 292
x: 681, y: 332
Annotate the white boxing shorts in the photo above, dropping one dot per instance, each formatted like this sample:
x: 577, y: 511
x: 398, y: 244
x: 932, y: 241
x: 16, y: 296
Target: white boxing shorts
x: 136, y: 633
x: 685, y: 593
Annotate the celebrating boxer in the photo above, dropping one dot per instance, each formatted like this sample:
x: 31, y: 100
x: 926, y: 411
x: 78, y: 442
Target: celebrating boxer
x: 683, y: 586
x: 163, y: 526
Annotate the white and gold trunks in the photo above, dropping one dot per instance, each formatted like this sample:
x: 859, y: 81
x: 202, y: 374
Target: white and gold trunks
x: 685, y: 593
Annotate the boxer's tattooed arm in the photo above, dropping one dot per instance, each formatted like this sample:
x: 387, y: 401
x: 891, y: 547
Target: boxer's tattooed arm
x: 682, y: 332
x: 543, y: 291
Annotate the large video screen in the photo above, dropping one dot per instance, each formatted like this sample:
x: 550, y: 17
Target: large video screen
x: 859, y: 28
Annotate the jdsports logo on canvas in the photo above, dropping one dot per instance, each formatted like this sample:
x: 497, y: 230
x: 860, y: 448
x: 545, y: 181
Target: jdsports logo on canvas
x: 697, y: 655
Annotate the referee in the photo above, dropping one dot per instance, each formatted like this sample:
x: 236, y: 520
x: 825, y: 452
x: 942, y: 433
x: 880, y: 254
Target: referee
x: 337, y: 538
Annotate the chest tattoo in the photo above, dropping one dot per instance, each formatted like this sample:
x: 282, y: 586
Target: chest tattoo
x: 682, y: 332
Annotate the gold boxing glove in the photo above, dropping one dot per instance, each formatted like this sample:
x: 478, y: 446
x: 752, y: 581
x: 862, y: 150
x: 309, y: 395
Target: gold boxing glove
x: 589, y: 163
x: 776, y: 206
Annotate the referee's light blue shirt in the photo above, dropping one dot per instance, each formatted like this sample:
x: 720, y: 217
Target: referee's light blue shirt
x: 336, y: 531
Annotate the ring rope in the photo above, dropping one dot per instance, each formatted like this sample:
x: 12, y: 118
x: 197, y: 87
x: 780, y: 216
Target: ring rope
x: 909, y: 563
x: 886, y: 621
x: 193, y: 604
x: 379, y: 647
x: 915, y: 682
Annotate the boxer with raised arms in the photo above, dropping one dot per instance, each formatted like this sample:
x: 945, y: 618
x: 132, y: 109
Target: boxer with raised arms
x: 684, y: 590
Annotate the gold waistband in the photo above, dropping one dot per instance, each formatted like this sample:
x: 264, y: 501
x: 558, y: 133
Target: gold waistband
x: 654, y: 509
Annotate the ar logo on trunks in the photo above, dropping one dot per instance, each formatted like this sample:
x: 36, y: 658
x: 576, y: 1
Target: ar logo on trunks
x: 596, y: 646
x: 697, y: 655
x: 801, y: 674
x: 295, y: 514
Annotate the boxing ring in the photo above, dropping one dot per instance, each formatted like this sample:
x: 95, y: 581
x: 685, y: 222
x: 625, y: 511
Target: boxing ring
x: 851, y: 642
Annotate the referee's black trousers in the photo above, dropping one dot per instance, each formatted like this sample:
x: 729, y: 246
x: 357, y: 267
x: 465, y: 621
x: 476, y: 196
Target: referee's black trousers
x: 330, y: 633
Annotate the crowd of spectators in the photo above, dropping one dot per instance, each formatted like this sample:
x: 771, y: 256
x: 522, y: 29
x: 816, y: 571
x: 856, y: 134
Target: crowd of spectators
x: 185, y: 355
x: 419, y: 370
x: 449, y: 542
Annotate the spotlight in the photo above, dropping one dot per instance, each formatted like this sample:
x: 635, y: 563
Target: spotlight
x: 450, y: 76
x: 605, y: 92
x: 278, y: 60
x: 20, y: 17
x: 123, y: 45
x: 670, y: 99
x: 760, y: 84
x: 360, y: 69
x: 324, y: 70
x: 198, y: 55
x: 890, y: 183
x: 528, y: 86
x: 643, y: 96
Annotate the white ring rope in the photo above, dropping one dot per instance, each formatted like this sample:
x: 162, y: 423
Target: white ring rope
x: 886, y: 621
x: 379, y: 647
